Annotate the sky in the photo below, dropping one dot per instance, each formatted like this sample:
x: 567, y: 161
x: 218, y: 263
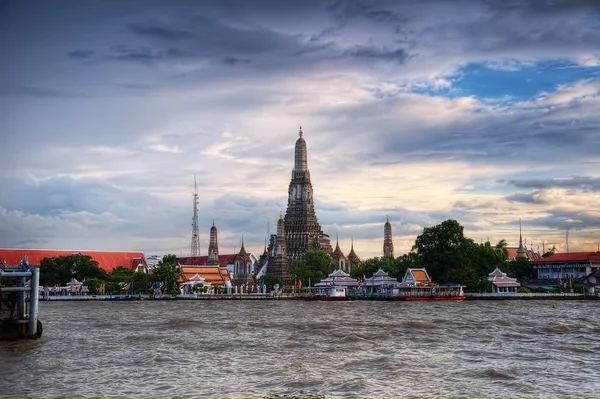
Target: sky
x: 486, y: 112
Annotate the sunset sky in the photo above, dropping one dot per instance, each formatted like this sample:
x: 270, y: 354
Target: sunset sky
x: 419, y: 110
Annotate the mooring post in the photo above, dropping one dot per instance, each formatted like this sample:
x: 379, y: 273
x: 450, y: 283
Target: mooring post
x: 33, y: 302
x: 21, y: 298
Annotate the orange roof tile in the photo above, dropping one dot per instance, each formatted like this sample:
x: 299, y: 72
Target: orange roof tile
x: 224, y: 260
x: 570, y: 257
x: 420, y: 275
x: 216, y: 275
x: 107, y: 260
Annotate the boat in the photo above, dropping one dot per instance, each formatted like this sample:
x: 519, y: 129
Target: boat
x: 330, y: 294
x: 429, y: 293
x: 334, y: 287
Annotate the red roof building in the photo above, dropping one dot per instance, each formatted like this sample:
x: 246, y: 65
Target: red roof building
x: 107, y: 260
x: 224, y: 260
x: 567, y: 265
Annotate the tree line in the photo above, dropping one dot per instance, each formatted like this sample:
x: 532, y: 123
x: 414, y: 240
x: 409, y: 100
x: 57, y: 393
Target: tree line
x: 443, y: 250
x: 61, y: 270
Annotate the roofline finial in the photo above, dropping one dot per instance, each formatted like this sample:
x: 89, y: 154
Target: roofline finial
x: 300, y: 132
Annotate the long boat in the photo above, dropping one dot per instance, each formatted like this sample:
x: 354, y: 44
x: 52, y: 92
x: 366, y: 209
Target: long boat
x: 329, y: 294
x: 427, y: 293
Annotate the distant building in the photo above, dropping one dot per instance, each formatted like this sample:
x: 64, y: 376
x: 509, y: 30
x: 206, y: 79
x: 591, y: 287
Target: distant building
x: 592, y: 281
x: 242, y: 268
x: 302, y: 229
x: 339, y: 258
x: 107, y: 260
x: 567, y: 265
x: 353, y: 259
x: 501, y: 282
x: 388, y: 245
x: 299, y: 231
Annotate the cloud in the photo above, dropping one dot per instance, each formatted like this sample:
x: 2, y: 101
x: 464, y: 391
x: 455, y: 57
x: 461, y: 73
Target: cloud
x: 218, y: 91
x: 586, y: 183
x: 80, y: 54
x: 161, y: 32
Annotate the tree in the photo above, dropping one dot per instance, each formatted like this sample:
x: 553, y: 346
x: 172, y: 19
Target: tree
x: 60, y: 270
x: 317, y: 265
x: 502, y: 247
x: 449, y: 256
x: 270, y: 279
x: 121, y: 274
x: 297, y: 270
x: 522, y: 268
x: 167, y: 272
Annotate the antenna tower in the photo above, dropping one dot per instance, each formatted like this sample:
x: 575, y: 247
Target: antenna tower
x: 195, y: 248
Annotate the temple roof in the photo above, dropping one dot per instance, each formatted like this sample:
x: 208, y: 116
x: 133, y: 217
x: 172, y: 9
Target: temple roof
x: 338, y: 277
x: 418, y: 276
x: 215, y: 274
x: 224, y: 260
x: 107, y: 260
x: 570, y: 257
x: 337, y: 253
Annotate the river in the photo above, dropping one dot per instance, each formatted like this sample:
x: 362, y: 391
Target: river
x: 227, y: 349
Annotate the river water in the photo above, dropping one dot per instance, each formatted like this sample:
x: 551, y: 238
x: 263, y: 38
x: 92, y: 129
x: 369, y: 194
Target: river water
x: 223, y: 349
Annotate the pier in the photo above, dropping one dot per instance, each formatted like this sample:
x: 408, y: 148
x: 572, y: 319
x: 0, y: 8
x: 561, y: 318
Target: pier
x: 19, y: 303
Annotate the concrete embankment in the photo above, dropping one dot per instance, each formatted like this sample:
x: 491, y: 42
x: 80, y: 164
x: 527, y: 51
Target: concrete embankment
x: 533, y: 295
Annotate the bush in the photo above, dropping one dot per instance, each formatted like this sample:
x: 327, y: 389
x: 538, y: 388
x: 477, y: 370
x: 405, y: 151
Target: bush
x: 523, y: 290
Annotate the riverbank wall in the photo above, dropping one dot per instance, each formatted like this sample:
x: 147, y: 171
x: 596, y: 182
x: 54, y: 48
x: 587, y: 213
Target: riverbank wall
x: 273, y: 296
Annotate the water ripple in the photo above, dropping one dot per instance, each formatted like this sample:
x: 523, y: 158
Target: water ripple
x: 300, y: 350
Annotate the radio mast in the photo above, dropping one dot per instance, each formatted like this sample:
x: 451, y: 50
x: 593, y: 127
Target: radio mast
x: 195, y: 248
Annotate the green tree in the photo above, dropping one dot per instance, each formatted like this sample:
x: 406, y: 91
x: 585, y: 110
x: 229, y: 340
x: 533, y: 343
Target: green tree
x: 298, y: 272
x: 270, y: 279
x: 521, y: 268
x: 449, y: 256
x: 317, y: 265
x: 167, y: 272
x: 60, y: 270
x: 93, y: 285
x: 121, y: 274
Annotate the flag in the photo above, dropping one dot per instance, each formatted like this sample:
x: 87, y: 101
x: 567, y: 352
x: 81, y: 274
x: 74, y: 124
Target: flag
x: 333, y: 282
x: 299, y: 283
x: 126, y: 287
x: 24, y: 263
x: 101, y: 289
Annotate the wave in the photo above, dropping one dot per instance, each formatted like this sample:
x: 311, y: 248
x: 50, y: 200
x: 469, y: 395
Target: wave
x: 353, y: 338
x: 183, y: 322
x: 497, y: 374
x: 561, y: 328
x: 420, y: 324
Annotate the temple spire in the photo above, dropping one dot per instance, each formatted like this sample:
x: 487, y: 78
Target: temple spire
x: 521, y: 252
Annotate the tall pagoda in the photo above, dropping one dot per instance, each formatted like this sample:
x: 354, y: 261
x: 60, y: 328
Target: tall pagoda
x: 302, y: 229
x: 388, y: 244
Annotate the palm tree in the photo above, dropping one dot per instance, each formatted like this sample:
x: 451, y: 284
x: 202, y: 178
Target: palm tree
x: 502, y: 247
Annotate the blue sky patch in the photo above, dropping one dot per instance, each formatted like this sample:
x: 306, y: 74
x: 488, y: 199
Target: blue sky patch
x: 524, y: 83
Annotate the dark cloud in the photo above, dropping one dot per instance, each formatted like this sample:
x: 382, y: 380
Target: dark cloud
x: 80, y: 54
x: 36, y: 91
x: 526, y: 198
x: 161, y: 32
x: 587, y: 183
x: 148, y: 55
x: 234, y: 61
x: 398, y: 56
